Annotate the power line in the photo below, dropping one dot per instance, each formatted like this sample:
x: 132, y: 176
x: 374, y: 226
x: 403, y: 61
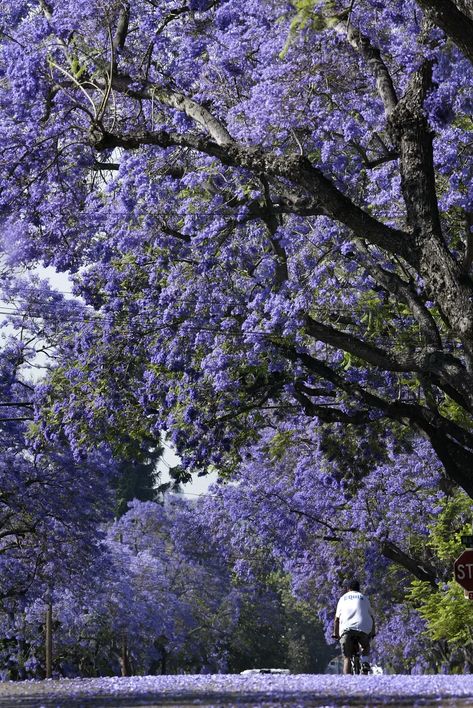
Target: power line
x: 205, y: 299
x: 189, y: 494
x: 173, y: 327
x: 89, y: 316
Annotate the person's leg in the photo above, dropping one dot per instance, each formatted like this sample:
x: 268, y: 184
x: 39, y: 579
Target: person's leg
x: 365, y: 650
x: 346, y: 644
x: 364, y: 641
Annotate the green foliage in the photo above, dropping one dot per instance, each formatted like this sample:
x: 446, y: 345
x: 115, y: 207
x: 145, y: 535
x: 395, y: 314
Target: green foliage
x: 77, y: 69
x: 280, y: 442
x: 453, y: 411
x: 277, y: 631
x: 447, y: 613
x: 452, y: 523
x: 137, y: 479
x: 307, y: 15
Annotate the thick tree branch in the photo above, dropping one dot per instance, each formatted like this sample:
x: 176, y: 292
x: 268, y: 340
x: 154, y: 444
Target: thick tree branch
x: 272, y: 223
x: 452, y: 443
x: 177, y: 100
x: 392, y: 552
x: 16, y: 420
x: 441, y: 364
x: 442, y: 275
x: 329, y: 414
x: 325, y: 197
x: 105, y: 166
x: 122, y: 28
x: 456, y: 24
x: 372, y: 55
x: 410, y: 129
x: 46, y: 8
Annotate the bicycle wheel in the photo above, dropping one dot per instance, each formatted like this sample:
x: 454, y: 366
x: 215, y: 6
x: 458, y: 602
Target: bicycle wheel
x: 355, y: 664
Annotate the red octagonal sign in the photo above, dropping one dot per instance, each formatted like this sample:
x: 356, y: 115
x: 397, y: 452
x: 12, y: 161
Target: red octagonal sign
x: 463, y: 569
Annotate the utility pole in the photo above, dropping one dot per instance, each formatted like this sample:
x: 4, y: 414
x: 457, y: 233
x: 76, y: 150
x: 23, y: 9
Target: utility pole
x: 48, y: 637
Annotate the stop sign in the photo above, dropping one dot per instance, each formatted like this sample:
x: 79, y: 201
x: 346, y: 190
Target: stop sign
x: 463, y: 569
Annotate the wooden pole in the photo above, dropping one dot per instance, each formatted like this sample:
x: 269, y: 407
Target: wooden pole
x: 125, y: 659
x: 48, y: 632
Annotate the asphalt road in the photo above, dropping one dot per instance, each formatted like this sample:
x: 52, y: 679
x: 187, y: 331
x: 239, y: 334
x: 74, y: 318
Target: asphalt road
x: 297, y: 691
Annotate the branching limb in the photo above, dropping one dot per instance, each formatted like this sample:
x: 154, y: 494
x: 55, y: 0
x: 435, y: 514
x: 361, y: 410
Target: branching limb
x: 442, y: 275
x: 325, y: 198
x: 122, y: 28
x: 372, y: 56
x: 440, y: 364
x: 452, y: 443
x: 177, y: 100
x: 457, y: 24
x: 309, y: 515
x: 405, y: 293
x: 272, y: 224
x: 46, y: 9
x: 418, y: 568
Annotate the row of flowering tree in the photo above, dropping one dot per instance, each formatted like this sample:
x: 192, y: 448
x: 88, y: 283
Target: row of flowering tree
x: 266, y: 210
x: 248, y: 575
x: 142, y: 606
x: 181, y: 586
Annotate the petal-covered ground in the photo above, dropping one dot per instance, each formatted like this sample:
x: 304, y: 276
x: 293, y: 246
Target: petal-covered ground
x: 236, y: 690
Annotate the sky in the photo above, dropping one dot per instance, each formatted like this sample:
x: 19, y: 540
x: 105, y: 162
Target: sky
x: 198, y: 486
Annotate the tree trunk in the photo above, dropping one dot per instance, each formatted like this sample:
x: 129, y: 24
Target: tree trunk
x: 125, y: 664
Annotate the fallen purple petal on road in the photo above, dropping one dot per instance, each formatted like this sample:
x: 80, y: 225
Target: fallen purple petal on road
x: 231, y: 690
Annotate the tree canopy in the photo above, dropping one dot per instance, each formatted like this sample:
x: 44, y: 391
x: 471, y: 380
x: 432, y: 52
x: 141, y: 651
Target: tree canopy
x: 270, y: 218
x: 265, y: 210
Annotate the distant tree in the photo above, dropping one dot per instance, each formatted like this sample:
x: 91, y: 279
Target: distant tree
x: 52, y: 506
x: 159, y: 599
x: 274, y: 630
x: 138, y: 479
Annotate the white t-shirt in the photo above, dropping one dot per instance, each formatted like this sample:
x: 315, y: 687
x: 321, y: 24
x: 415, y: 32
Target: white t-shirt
x: 354, y: 612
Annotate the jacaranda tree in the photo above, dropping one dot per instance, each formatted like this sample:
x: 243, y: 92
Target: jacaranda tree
x: 51, y: 505
x: 267, y: 204
x: 51, y: 508
x: 145, y: 605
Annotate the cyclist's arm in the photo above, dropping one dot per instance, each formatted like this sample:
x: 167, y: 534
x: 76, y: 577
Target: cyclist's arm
x: 373, y: 627
x: 336, y: 628
x: 373, y: 624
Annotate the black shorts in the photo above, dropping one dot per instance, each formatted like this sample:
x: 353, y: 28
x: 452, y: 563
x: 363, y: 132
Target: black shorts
x: 351, y: 639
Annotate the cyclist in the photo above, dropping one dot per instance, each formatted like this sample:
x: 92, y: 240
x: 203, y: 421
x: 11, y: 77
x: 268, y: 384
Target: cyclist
x: 354, y: 625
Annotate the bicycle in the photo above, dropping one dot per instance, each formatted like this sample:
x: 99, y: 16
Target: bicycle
x: 357, y: 666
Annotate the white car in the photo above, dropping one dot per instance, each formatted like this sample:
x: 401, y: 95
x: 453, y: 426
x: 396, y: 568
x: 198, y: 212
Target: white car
x: 247, y: 672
